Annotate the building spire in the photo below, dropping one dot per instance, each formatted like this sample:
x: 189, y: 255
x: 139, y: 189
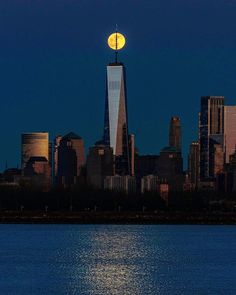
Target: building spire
x: 116, y: 41
x: 116, y: 51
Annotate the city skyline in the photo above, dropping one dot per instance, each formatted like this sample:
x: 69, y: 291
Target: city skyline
x: 118, y: 144
x: 48, y: 69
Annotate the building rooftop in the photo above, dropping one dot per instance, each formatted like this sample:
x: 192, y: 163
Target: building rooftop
x: 170, y: 149
x: 37, y: 159
x: 100, y: 143
x: 71, y: 135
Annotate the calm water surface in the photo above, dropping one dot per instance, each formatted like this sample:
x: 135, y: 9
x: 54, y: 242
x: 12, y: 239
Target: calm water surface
x: 117, y: 259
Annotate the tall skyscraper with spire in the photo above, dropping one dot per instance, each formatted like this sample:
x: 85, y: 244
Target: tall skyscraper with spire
x: 116, y: 122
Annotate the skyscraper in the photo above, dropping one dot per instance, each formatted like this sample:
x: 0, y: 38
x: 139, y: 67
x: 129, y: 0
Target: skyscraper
x: 70, y: 159
x: 175, y: 133
x: 132, y: 153
x: 229, y: 131
x: 116, y: 122
x: 170, y: 167
x: 100, y: 163
x: 193, y: 163
x: 56, y: 146
x: 211, y: 134
x: 34, y: 145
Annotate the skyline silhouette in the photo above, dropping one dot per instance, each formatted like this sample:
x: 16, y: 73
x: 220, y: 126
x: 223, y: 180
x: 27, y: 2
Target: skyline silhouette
x: 53, y: 65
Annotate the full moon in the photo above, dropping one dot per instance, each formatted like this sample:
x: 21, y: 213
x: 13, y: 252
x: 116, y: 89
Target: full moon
x: 116, y: 41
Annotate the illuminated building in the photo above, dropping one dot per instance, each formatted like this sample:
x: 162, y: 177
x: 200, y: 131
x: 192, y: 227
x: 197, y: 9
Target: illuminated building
x: 115, y: 132
x: 216, y: 158
x: 211, y: 133
x: 175, y: 133
x: 34, y: 145
x: 116, y: 123
x: 229, y: 131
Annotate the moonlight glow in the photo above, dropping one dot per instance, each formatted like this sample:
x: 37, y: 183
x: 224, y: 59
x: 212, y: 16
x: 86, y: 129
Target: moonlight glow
x: 116, y: 41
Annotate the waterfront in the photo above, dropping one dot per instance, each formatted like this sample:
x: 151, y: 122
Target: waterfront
x: 117, y: 259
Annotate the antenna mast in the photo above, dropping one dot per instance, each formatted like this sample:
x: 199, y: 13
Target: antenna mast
x: 116, y: 51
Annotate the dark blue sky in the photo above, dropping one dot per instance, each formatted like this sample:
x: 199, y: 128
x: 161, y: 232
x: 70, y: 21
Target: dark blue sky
x: 53, y: 57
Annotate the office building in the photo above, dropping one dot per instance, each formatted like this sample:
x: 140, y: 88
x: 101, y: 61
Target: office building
x: 118, y: 183
x: 229, y: 131
x: 193, y: 163
x: 211, y: 133
x: 175, y: 136
x: 34, y: 144
x: 116, y: 122
x: 170, y: 168
x: 56, y: 146
x: 100, y: 163
x: 37, y: 173
x: 150, y: 183
x: 70, y: 156
x: 146, y: 165
x: 132, y: 154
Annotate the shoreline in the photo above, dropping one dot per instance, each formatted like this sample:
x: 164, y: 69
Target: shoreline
x: 204, y: 218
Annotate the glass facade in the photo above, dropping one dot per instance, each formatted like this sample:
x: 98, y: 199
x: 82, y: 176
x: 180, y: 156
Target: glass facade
x: 115, y: 125
x: 210, y: 132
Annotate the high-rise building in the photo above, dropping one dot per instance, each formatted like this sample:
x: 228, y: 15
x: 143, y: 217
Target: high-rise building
x: 211, y: 133
x: 70, y: 159
x: 100, y: 163
x: 193, y: 163
x: 132, y: 154
x: 229, y: 131
x: 116, y: 122
x: 216, y: 158
x: 34, y: 144
x: 170, y: 167
x: 146, y: 165
x: 56, y: 146
x: 175, y: 133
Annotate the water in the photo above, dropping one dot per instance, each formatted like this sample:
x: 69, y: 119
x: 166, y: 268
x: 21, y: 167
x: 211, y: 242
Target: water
x: 117, y: 259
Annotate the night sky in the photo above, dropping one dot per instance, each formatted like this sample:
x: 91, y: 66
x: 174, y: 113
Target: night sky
x: 53, y: 57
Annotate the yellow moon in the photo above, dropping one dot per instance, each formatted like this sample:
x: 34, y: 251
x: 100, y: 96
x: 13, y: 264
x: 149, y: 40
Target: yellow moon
x: 116, y: 41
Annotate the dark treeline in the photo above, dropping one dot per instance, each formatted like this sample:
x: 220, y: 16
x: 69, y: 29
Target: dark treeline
x: 88, y: 199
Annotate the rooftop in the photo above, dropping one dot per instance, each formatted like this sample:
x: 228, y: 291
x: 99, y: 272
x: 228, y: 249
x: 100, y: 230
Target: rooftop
x: 71, y: 135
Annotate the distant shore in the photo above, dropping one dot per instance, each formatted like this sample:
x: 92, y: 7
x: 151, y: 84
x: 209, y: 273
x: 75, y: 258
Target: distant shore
x: 118, y: 218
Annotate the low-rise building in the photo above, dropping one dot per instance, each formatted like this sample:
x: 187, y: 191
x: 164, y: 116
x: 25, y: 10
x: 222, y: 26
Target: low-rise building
x: 126, y: 183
